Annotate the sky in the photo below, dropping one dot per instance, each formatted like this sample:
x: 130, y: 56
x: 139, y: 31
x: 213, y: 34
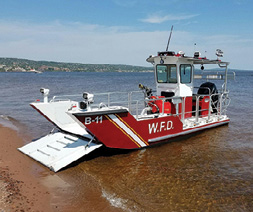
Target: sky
x: 126, y: 31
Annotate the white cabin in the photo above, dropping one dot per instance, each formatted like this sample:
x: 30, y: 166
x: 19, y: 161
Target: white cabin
x: 174, y: 73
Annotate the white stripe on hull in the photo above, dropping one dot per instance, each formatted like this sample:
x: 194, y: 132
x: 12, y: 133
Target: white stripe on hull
x: 127, y: 130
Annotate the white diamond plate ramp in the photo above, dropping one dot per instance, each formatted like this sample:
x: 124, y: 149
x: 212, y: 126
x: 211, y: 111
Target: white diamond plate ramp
x: 58, y: 150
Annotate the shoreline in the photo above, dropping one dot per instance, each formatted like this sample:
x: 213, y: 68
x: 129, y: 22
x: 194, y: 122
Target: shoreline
x: 20, y: 190
x: 26, y: 185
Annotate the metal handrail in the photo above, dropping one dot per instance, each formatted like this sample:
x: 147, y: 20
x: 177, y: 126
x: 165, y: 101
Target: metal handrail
x: 64, y: 97
x: 135, y: 105
x: 108, y: 94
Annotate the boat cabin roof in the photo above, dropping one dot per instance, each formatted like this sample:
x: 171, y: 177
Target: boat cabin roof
x: 167, y: 55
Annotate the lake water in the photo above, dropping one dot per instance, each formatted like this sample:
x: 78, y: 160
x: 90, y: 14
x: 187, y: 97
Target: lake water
x: 210, y: 171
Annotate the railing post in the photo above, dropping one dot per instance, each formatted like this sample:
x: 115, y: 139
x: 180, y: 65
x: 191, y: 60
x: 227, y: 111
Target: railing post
x: 183, y: 109
x: 220, y: 101
x: 209, y: 108
x: 137, y: 102
x: 129, y: 101
x: 163, y: 107
x: 226, y: 79
x: 197, y: 110
x: 108, y: 99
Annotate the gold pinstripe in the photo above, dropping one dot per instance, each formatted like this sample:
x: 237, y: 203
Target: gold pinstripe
x: 123, y: 131
x: 132, y: 129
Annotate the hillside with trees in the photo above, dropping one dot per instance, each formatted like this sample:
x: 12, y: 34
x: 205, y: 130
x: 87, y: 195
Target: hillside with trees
x: 24, y: 65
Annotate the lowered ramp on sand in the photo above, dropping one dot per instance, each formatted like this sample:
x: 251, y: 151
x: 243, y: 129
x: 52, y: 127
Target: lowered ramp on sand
x: 58, y: 150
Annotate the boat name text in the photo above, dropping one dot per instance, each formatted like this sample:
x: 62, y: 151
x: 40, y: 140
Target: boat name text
x: 97, y: 120
x: 160, y: 126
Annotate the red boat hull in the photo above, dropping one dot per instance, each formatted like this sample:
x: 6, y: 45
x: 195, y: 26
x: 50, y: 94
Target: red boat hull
x: 122, y: 130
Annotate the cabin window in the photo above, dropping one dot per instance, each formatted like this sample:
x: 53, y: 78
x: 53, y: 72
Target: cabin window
x: 185, y: 73
x: 166, y: 73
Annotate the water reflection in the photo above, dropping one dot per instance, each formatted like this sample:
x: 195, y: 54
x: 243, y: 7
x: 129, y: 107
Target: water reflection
x: 199, y: 173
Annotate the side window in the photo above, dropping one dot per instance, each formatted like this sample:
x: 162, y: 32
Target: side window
x: 185, y: 73
x: 166, y: 73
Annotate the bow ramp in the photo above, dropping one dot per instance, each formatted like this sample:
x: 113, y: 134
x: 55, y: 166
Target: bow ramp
x: 58, y: 150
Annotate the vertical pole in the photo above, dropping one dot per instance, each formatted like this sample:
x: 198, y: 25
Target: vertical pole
x: 226, y: 78
x: 197, y: 110
x: 108, y: 99
x: 183, y: 109
x: 220, y: 103
x: 129, y: 101
x: 163, y: 107
x: 137, y: 116
x: 46, y: 98
x: 169, y: 39
x: 209, y: 108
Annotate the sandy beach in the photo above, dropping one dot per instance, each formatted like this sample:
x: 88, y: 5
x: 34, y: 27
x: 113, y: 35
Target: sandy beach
x: 20, y: 190
x: 25, y: 185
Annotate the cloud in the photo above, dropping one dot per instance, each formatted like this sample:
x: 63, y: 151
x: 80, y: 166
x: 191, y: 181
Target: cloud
x: 87, y: 43
x: 72, y: 42
x: 157, y: 19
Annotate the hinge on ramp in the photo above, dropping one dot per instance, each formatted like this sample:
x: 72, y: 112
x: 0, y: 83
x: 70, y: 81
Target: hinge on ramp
x: 57, y: 150
x: 88, y: 144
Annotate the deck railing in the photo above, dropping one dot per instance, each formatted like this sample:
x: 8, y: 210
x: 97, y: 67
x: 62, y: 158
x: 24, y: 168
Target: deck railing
x: 218, y: 107
x: 137, y: 104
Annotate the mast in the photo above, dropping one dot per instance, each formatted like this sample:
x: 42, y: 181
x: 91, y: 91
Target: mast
x: 169, y: 38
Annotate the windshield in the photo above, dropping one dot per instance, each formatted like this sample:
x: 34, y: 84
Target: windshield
x: 166, y: 73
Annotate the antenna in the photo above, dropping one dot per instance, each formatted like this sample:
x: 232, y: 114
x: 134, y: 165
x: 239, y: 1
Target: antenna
x: 169, y: 38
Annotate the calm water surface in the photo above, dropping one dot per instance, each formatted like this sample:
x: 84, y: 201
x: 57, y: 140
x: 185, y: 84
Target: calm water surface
x: 210, y: 171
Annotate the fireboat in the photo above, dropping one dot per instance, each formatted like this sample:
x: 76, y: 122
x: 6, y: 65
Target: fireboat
x: 137, y: 119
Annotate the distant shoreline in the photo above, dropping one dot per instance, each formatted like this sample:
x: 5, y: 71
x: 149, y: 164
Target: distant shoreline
x: 23, y: 65
x: 31, y: 66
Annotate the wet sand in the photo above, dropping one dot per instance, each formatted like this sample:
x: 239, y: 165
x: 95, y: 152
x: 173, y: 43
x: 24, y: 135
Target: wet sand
x: 20, y: 190
x: 26, y: 185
